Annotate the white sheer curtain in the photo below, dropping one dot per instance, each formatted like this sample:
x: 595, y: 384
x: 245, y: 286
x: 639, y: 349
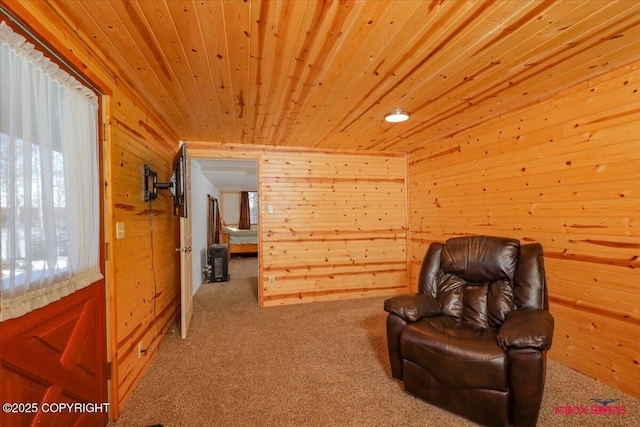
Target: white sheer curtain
x: 49, y: 184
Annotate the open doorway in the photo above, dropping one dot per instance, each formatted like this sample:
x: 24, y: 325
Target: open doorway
x: 226, y: 181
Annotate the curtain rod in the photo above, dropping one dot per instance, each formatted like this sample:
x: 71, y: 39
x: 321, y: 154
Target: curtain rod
x: 50, y: 51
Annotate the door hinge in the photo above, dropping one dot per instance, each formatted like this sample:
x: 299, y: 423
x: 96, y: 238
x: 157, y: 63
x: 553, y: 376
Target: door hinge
x: 109, y: 370
x: 107, y: 251
x: 104, y: 132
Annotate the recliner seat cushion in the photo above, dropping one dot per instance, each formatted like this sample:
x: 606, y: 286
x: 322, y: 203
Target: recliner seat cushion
x: 456, y: 353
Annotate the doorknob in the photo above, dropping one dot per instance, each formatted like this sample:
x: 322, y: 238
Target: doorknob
x: 178, y: 249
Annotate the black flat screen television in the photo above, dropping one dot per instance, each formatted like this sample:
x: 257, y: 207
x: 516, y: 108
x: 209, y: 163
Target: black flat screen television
x: 176, y: 185
x: 179, y: 178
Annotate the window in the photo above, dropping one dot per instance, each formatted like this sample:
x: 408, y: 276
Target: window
x: 24, y: 257
x: 49, y: 186
x: 253, y: 207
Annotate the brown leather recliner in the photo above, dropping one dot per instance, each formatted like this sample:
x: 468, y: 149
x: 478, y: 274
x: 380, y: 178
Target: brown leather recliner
x: 474, y: 339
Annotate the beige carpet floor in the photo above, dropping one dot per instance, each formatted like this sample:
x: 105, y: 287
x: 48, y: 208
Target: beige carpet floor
x: 317, y: 364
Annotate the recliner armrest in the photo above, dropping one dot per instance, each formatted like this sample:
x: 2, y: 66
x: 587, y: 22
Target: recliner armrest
x: 413, y: 307
x: 526, y: 328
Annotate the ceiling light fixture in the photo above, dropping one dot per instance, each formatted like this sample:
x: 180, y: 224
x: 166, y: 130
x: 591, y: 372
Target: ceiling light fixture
x: 397, y: 116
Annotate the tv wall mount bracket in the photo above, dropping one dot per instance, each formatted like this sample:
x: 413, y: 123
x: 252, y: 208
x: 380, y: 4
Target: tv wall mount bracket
x: 151, y: 184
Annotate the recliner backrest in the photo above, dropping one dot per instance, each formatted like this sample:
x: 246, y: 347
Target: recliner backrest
x: 531, y: 281
x: 480, y: 259
x: 482, y: 278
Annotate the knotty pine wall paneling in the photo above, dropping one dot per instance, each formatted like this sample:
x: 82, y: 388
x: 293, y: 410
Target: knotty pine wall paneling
x: 146, y: 276
x: 566, y: 173
x: 338, y: 228
x: 143, y: 301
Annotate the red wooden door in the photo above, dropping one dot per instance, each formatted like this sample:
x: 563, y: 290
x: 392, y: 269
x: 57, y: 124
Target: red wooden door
x: 53, y: 369
x: 53, y: 361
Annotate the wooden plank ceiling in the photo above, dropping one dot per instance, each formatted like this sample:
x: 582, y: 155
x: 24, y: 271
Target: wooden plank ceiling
x: 324, y: 73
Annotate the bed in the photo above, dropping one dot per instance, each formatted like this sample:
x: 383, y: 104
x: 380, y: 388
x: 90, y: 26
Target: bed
x: 239, y: 241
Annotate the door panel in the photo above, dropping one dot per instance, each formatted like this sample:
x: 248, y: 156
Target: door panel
x: 57, y: 354
x: 186, y: 276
